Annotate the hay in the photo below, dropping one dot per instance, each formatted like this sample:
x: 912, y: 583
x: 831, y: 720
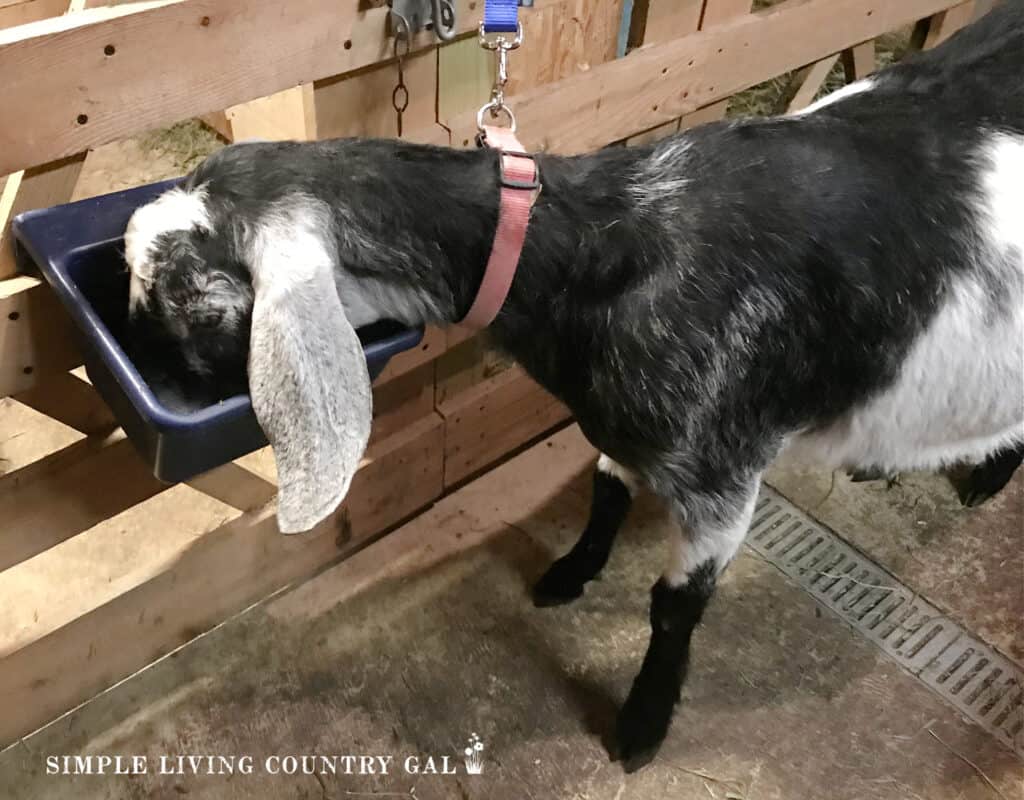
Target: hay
x: 185, y: 143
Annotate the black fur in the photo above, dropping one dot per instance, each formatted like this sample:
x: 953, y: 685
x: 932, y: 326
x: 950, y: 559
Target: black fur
x: 645, y: 718
x: 988, y: 478
x: 565, y: 579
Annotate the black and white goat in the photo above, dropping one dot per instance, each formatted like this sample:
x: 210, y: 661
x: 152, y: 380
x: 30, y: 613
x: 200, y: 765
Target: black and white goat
x: 848, y: 281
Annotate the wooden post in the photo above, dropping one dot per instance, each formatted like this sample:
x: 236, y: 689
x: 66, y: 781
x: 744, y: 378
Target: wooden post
x: 665, y: 20
x: 944, y: 24
x: 808, y: 81
x: 859, y: 61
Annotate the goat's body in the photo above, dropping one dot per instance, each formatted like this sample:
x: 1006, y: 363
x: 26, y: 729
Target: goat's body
x: 848, y: 281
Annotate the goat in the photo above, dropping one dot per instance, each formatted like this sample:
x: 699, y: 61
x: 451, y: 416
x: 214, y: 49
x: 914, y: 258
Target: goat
x: 847, y: 282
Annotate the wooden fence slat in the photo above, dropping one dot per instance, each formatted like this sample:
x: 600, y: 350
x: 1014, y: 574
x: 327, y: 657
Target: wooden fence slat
x: 69, y: 399
x: 716, y: 12
x: 614, y: 100
x: 204, y: 69
x: 36, y: 335
x: 53, y: 670
x: 946, y: 23
x: 809, y: 81
x: 859, y: 61
x: 37, y: 187
x: 97, y: 479
x: 26, y: 11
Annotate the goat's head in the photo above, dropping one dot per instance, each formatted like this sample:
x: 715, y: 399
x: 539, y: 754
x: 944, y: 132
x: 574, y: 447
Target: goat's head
x: 235, y: 294
x: 190, y: 296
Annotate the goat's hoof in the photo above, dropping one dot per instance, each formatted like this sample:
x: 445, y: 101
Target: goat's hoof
x: 638, y: 738
x: 972, y: 498
x: 547, y: 594
x: 989, y: 478
x: 561, y: 584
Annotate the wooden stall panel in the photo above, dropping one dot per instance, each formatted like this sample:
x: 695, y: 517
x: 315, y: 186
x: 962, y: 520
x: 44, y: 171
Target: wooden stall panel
x: 36, y: 335
x: 493, y: 418
x: 122, y: 94
x: 360, y: 104
x: 614, y: 100
x: 37, y: 187
x: 46, y: 669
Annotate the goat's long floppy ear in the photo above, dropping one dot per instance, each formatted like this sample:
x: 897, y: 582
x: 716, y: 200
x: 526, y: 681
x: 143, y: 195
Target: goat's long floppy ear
x: 307, y: 378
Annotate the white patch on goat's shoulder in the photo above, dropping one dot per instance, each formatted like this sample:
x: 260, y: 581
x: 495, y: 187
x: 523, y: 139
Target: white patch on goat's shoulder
x: 174, y: 210
x: 616, y: 470
x: 858, y: 87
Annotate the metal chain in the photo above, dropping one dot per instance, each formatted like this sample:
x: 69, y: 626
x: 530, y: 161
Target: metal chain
x: 400, y: 95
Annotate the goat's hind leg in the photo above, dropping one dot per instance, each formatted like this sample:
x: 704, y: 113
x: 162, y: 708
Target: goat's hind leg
x: 988, y: 478
x: 614, y: 488
x: 712, y: 529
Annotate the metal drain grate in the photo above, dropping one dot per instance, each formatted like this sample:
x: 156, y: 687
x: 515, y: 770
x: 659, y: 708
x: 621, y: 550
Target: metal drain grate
x: 984, y: 685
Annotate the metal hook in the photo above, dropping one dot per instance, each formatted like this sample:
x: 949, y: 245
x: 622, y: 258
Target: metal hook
x: 495, y: 107
x: 420, y: 14
x: 444, y: 19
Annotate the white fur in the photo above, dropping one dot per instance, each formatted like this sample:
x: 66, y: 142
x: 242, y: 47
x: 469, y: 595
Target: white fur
x: 960, y: 393
x: 697, y: 544
x: 174, y: 210
x: 857, y: 87
x: 616, y: 470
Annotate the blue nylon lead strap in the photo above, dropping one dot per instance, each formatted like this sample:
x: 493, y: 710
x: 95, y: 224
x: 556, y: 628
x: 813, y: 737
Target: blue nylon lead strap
x: 501, y: 16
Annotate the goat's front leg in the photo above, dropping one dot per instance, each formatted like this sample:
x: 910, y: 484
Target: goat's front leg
x: 712, y: 528
x: 614, y: 487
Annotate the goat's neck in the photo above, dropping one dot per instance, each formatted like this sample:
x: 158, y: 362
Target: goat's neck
x: 436, y: 215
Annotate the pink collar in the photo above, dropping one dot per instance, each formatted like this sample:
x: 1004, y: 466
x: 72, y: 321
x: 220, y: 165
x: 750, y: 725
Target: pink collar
x: 520, y: 186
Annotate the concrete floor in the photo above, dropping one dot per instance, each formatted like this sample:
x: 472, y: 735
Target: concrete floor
x: 428, y: 636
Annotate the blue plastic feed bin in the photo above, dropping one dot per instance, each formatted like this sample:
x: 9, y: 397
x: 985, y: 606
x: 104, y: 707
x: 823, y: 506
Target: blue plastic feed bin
x: 78, y: 247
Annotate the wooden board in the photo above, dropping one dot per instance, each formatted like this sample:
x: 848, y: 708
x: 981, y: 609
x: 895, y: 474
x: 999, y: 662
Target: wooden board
x: 286, y: 115
x: 359, y: 104
x: 196, y: 41
x: 48, y: 670
x: 68, y: 399
x: 488, y: 421
x: 654, y: 85
x: 946, y: 23
x: 24, y: 11
x: 402, y: 401
x: 434, y: 343
x: 859, y: 61
x: 670, y: 19
x: 37, y: 187
x: 36, y: 335
x: 809, y: 81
